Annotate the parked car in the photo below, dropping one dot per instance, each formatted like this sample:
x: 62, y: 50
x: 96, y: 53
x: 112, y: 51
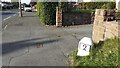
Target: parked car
x: 27, y: 8
x: 6, y: 6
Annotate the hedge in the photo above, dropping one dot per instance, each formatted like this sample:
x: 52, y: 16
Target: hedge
x: 97, y: 5
x: 47, y: 12
x: 66, y: 7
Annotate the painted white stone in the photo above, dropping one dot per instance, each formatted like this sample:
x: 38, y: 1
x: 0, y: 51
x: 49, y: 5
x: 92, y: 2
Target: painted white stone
x: 84, y: 46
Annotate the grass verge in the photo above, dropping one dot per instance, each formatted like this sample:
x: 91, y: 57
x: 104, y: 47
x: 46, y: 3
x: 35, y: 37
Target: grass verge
x: 117, y: 10
x: 102, y: 54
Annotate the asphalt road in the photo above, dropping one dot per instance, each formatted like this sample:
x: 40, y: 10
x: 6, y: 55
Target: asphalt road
x: 8, y: 13
x: 7, y: 16
x: 27, y: 42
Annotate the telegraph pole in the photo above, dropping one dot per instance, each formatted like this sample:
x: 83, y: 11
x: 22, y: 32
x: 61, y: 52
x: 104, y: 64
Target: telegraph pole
x: 20, y: 10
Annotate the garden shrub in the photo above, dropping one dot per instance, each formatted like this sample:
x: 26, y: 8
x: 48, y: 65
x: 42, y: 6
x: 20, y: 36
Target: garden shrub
x: 97, y: 5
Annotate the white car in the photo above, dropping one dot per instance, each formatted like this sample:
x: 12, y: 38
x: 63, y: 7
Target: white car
x: 27, y: 8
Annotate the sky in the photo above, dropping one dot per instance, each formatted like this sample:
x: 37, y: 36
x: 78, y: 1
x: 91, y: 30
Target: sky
x: 28, y: 1
x: 22, y: 1
x: 25, y: 1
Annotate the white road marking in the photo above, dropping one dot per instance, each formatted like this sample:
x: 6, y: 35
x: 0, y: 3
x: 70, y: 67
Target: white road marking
x: 14, y: 14
x: 5, y: 27
x: 7, y: 18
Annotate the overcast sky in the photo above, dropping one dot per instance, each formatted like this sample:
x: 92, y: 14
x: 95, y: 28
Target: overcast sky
x: 28, y: 1
x: 22, y: 1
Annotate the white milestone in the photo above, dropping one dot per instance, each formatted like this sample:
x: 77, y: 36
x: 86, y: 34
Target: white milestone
x: 84, y: 46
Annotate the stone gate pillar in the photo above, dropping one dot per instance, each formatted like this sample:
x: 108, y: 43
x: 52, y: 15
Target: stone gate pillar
x: 58, y: 17
x: 104, y: 25
x: 98, y: 26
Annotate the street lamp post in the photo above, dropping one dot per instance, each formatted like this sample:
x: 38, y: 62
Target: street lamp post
x: 20, y: 10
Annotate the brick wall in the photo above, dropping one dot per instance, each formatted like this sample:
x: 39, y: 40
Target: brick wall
x: 77, y: 18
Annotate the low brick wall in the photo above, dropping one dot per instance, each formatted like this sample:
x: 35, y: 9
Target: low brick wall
x: 77, y: 18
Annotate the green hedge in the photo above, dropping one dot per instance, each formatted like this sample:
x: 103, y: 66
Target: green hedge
x: 97, y: 5
x: 47, y: 12
x: 66, y: 7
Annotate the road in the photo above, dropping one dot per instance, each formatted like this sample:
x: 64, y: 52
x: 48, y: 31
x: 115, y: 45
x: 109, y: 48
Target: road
x: 27, y: 42
x: 8, y: 13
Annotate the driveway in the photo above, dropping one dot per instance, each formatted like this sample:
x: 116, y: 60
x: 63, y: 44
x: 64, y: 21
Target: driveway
x: 27, y: 42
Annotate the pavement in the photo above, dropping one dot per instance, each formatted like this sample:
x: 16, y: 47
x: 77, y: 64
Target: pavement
x: 27, y: 42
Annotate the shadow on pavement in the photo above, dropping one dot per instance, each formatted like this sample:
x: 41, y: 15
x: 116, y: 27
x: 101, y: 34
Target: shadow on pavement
x: 14, y: 46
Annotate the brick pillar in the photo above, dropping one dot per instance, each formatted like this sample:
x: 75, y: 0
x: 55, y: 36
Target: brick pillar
x: 58, y: 17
